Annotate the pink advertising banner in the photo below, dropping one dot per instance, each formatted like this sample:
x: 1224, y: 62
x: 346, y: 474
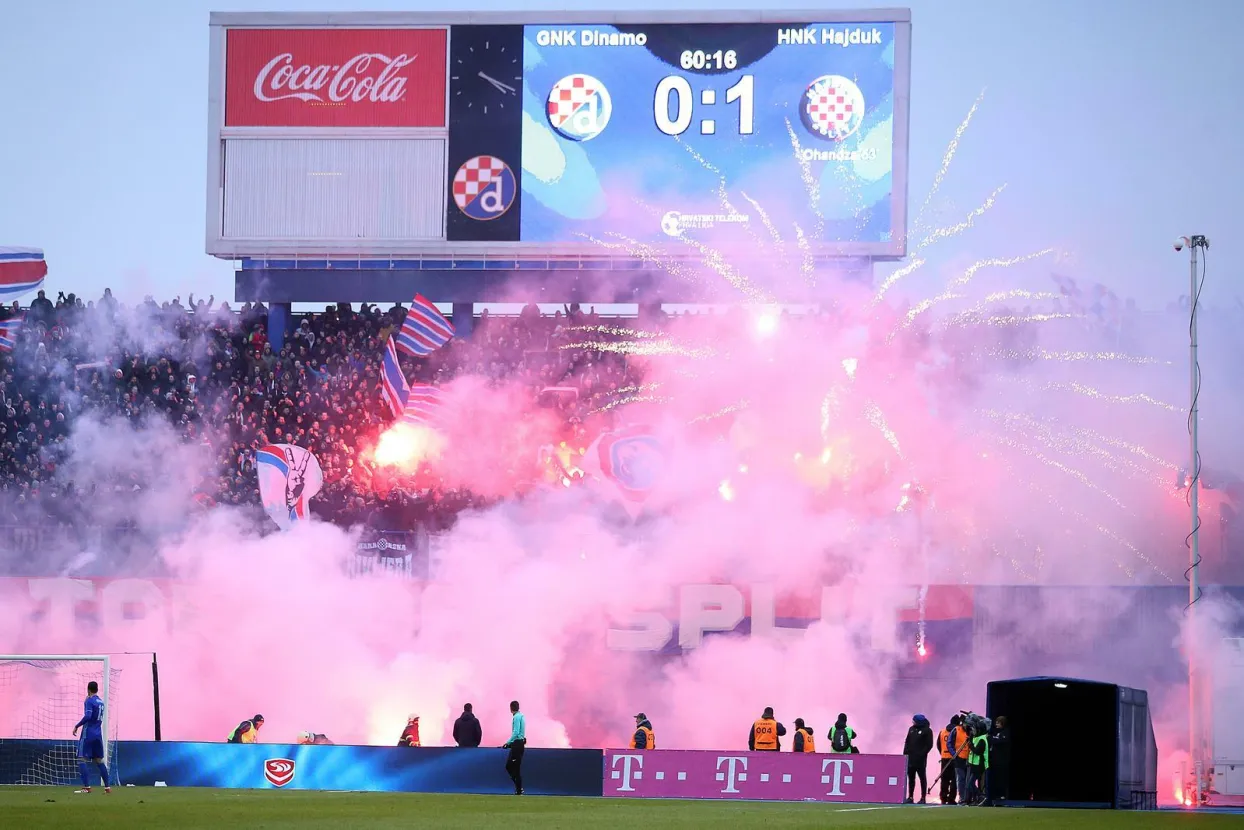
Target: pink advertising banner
x: 755, y: 776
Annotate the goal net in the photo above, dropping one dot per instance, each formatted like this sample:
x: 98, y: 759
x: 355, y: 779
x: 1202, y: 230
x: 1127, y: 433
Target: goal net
x: 41, y: 699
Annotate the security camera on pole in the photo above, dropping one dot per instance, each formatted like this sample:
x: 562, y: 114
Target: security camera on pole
x: 1195, y: 748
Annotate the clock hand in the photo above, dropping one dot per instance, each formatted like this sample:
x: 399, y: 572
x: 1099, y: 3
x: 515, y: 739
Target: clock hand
x: 498, y: 84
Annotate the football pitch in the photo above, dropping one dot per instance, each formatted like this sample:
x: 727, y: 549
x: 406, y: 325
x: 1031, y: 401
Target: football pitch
x: 35, y: 808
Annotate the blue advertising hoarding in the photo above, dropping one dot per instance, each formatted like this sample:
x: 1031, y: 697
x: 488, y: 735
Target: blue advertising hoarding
x: 570, y: 772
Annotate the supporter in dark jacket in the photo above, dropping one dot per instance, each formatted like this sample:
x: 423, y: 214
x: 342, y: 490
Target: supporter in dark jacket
x: 917, y: 747
x: 467, y: 731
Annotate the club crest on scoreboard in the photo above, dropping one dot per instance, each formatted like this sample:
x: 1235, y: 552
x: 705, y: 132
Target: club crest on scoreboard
x: 484, y: 188
x: 579, y: 107
x: 833, y: 107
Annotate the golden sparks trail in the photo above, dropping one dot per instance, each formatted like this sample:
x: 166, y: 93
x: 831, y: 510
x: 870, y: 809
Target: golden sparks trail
x: 948, y: 157
x: 1082, y: 443
x: 1069, y: 357
x: 981, y: 308
x: 874, y: 416
x: 995, y: 262
x: 642, y: 348
x: 716, y: 261
x: 723, y: 194
x: 628, y: 400
x: 810, y: 184
x: 955, y: 230
x: 650, y: 254
x: 1061, y: 467
x: 1097, y: 394
x: 721, y: 413
x: 634, y: 334
x: 807, y: 265
x: 888, y: 282
x: 999, y: 320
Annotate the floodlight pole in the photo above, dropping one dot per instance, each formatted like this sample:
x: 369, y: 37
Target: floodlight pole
x: 1194, y: 538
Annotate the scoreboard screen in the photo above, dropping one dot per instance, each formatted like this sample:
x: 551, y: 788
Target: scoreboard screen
x: 412, y: 134
x: 635, y: 130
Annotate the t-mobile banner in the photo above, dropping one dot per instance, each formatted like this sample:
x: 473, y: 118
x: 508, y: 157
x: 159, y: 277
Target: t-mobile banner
x: 755, y: 776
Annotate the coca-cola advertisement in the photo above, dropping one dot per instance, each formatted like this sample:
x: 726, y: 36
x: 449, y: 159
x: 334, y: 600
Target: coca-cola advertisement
x: 335, y: 77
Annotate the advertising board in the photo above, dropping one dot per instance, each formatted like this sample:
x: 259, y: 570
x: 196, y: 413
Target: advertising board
x: 557, y: 134
x: 481, y: 771
x: 755, y: 776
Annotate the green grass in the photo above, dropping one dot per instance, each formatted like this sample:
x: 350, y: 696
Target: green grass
x: 133, y: 808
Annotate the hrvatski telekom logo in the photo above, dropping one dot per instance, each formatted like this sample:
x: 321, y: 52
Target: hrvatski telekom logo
x: 278, y: 771
x: 370, y: 76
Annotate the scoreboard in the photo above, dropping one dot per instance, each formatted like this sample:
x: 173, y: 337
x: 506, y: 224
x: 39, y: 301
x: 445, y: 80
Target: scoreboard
x: 551, y: 134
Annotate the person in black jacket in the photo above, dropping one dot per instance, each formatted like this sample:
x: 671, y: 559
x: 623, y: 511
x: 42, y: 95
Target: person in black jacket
x: 917, y: 747
x: 997, y: 776
x: 467, y: 731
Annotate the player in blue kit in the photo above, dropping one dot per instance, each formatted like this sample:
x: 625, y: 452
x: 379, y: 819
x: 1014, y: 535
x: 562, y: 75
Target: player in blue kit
x: 91, y: 744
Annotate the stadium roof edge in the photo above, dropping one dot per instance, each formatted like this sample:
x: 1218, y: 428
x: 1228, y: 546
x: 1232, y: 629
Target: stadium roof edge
x: 555, y: 17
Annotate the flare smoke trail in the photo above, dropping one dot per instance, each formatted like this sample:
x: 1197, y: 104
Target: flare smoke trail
x: 794, y: 449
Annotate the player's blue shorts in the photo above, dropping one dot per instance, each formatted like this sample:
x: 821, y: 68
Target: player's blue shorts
x: 91, y: 747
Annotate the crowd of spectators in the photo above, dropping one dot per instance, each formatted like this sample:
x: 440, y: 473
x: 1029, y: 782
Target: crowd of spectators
x: 211, y: 372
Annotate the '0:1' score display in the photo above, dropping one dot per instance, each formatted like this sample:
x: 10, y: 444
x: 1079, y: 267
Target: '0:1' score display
x: 673, y: 104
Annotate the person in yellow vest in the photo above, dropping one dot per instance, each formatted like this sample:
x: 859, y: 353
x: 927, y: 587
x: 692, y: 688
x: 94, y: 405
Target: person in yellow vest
x: 842, y: 737
x: 960, y: 744
x: 246, y: 732
x: 643, y: 737
x: 978, y: 766
x: 765, y: 733
x: 947, y: 775
x: 803, y: 742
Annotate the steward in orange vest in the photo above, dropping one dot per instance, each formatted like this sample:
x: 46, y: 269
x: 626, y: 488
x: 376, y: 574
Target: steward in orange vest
x: 643, y: 737
x: 804, y: 742
x: 765, y: 732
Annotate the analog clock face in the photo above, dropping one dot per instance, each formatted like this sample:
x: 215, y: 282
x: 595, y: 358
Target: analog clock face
x: 486, y: 74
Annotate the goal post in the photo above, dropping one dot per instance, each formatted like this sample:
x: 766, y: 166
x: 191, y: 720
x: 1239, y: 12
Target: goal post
x: 43, y: 696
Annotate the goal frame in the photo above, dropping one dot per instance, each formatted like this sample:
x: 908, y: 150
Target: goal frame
x: 106, y: 686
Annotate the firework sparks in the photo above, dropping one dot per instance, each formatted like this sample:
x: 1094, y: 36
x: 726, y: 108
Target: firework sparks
x: 956, y: 229
x: 949, y: 156
x: 629, y: 399
x: 995, y: 262
x: 1069, y: 356
x: 643, y: 348
x: 876, y: 418
x: 979, y: 310
x: 889, y: 282
x: 811, y: 186
x: 721, y: 413
x: 1054, y: 463
x: 1086, y: 443
x: 615, y: 331
x: 1097, y: 394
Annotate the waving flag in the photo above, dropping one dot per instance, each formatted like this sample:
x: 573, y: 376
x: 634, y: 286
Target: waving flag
x: 423, y: 406
x: 8, y: 334
x: 425, y: 329
x: 21, y: 271
x: 629, y: 463
x: 393, y: 387
x: 289, y: 477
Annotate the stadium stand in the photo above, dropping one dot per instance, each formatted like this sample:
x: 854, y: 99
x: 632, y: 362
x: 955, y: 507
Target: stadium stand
x: 213, y: 373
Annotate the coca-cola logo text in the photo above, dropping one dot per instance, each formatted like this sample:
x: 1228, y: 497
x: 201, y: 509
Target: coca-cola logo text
x: 370, y: 76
